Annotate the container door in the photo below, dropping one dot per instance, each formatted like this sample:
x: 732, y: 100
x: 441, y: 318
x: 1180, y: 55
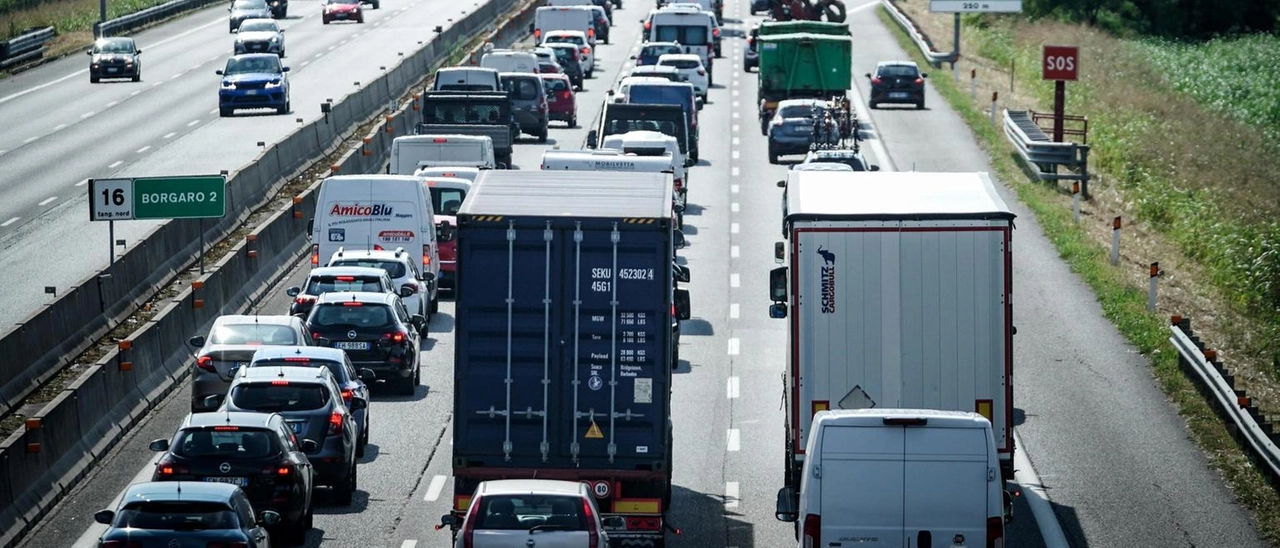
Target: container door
x: 861, y: 486
x: 946, y: 485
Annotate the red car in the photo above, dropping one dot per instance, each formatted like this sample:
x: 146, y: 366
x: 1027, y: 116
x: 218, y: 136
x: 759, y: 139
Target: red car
x: 562, y: 104
x: 548, y: 67
x: 342, y: 10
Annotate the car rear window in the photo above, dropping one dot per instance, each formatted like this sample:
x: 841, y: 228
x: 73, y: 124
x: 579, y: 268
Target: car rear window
x: 326, y: 284
x: 253, y: 334
x: 898, y: 70
x: 656, y: 51
x: 555, y: 84
x: 798, y: 111
x: 570, y: 38
x: 269, y: 397
x: 395, y: 269
x: 176, y: 516
x: 681, y: 63
x: 339, y: 372
x: 447, y: 201
x: 522, y: 512
x: 249, y: 5
x: 458, y: 113
x: 242, y: 443
x: 613, y: 127
x: 339, y: 315
x: 521, y: 88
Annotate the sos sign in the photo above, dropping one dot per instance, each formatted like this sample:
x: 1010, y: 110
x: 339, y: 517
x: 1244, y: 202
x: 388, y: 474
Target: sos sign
x: 1060, y: 62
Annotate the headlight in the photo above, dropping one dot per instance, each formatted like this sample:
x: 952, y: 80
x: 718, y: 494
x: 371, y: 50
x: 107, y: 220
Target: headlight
x: 275, y: 83
x: 275, y: 38
x: 228, y: 85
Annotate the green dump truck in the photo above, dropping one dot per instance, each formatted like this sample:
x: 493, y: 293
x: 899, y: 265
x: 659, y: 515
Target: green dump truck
x: 802, y: 65
x: 771, y: 28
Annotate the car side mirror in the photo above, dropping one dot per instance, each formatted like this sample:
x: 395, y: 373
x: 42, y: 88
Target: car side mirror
x: 104, y: 517
x: 284, y: 69
x: 778, y: 285
x: 681, y: 273
x: 196, y: 341
x: 367, y: 375
x: 788, y: 504
x: 213, y: 401
x: 680, y: 241
x: 407, y: 290
x: 777, y: 311
x: 428, y: 276
x: 444, y: 232
x: 448, y: 520
x: 782, y: 183
x: 683, y: 305
x: 699, y: 102
x: 868, y: 75
x: 419, y: 321
x: 632, y: 57
x: 309, y: 446
x: 875, y: 167
x: 678, y: 208
x: 779, y: 252
x: 357, y: 404
x: 293, y: 291
x: 218, y: 72
x: 269, y: 518
x: 322, y: 341
x: 593, y: 138
x: 924, y: 75
x: 88, y: 52
x: 159, y: 446
x: 138, y: 51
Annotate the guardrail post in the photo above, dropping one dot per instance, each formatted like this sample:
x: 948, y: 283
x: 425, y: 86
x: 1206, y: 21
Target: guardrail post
x: 1151, y: 291
x: 973, y: 84
x: 995, y: 95
x: 1115, y: 241
x: 1084, y: 170
x: 1075, y: 202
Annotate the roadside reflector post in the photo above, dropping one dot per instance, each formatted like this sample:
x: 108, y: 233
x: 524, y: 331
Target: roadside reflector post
x: 122, y: 362
x: 973, y: 84
x: 297, y: 211
x: 1151, y: 291
x: 251, y: 244
x: 1115, y: 241
x: 196, y: 288
x: 1075, y: 202
x: 995, y: 96
x: 364, y: 150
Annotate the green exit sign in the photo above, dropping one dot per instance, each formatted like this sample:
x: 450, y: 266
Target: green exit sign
x: 182, y: 197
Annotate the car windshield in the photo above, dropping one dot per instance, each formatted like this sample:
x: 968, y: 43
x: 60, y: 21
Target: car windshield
x: 447, y: 201
x: 253, y: 334
x: 798, y: 111
x: 224, y: 443
x: 898, y: 70
x: 555, y: 84
x: 267, y: 64
x: 114, y: 46
x: 336, y: 368
x: 681, y: 63
x: 339, y: 315
x: 395, y: 269
x: 274, y: 397
x: 249, y: 5
x: 176, y: 516
x: 325, y: 284
x: 521, y: 512
x: 259, y: 26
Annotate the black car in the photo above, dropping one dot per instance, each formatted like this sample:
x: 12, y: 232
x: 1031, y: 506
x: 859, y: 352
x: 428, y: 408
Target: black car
x: 279, y: 9
x: 114, y: 58
x: 255, y: 451
x: 897, y: 82
x: 174, y: 513
x: 601, y: 23
x: 311, y: 403
x: 325, y: 279
x: 248, y: 9
x: 567, y: 56
x: 750, y: 56
x: 850, y: 157
x: 376, y: 330
x: 352, y: 384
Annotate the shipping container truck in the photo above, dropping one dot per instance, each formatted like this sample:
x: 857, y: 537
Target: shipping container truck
x: 898, y: 289
x: 565, y: 305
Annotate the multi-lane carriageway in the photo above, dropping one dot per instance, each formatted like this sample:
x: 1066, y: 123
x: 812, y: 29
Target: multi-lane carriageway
x: 1105, y: 459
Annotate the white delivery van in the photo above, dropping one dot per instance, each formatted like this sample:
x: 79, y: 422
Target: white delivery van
x: 507, y: 60
x: 467, y: 79
x: 900, y: 478
x: 653, y: 143
x: 576, y: 17
x: 452, y: 172
x: 376, y: 212
x: 411, y: 153
x: 686, y: 24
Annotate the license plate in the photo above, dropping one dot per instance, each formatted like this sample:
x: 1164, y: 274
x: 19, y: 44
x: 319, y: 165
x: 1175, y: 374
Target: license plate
x: 252, y: 91
x: 804, y: 129
x: 349, y: 345
x: 340, y: 16
x: 297, y: 427
x: 897, y: 95
x: 112, y: 69
x: 242, y: 482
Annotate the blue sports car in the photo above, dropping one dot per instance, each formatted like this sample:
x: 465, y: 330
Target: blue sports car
x: 255, y: 80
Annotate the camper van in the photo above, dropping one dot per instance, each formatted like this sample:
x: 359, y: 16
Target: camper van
x: 411, y: 153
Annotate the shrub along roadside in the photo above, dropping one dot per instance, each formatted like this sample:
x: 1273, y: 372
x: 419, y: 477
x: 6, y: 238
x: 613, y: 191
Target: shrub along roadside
x: 1123, y: 305
x: 66, y: 16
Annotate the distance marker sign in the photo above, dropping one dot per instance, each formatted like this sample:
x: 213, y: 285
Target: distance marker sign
x: 180, y: 197
x: 975, y: 6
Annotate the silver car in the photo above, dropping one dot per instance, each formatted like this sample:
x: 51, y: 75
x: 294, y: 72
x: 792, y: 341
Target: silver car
x: 260, y: 36
x: 231, y: 343
x: 522, y: 513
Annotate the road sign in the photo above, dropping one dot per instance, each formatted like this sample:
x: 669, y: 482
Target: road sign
x: 186, y: 197
x: 110, y: 199
x: 1060, y: 63
x: 975, y: 6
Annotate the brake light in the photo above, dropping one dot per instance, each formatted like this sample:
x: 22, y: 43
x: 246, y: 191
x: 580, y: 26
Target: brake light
x: 751, y: 41
x: 876, y: 81
x: 812, y: 531
x: 648, y: 25
x: 566, y: 94
x: 591, y: 33
x: 395, y: 336
x: 995, y: 532
x: 279, y: 383
x: 315, y: 254
x: 440, y: 140
x: 345, y: 278
x: 593, y: 536
x: 166, y: 468
x: 679, y: 184
x: 673, y: 310
x: 296, y: 359
x: 316, y: 335
x: 469, y: 527
x: 347, y: 395
x: 586, y: 51
x: 352, y: 303
x: 426, y: 249
x: 919, y: 81
x: 715, y: 32
x: 206, y: 363
x: 537, y: 33
x: 304, y: 299
x: 335, y: 423
x: 377, y: 247
x: 226, y: 429
x: 702, y: 72
x: 284, y: 470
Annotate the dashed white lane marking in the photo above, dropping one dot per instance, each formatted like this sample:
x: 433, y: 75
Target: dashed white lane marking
x: 736, y: 141
x: 2, y: 151
x: 734, y: 171
x: 59, y: 127
x: 735, y: 311
x: 734, y: 188
x: 736, y: 155
x: 10, y: 221
x: 135, y: 93
x: 170, y: 134
x: 112, y: 104
x: 87, y: 114
x: 47, y: 200
x: 734, y: 442
x: 735, y: 114
x: 734, y: 207
x: 319, y: 54
x: 28, y: 140
x: 734, y: 346
x: 735, y: 92
x: 212, y: 112
x: 157, y: 84
x: 409, y: 544
x: 82, y: 182
x: 734, y: 228
x: 305, y: 63
x: 115, y: 164
x: 735, y: 280
x: 730, y: 494
x: 176, y: 76
x: 736, y: 127
x: 735, y: 251
x: 192, y: 123
x: 143, y: 149
x: 731, y: 390
x: 433, y: 489
x: 331, y: 48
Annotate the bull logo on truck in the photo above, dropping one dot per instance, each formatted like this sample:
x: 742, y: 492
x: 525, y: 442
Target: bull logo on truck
x: 828, y: 281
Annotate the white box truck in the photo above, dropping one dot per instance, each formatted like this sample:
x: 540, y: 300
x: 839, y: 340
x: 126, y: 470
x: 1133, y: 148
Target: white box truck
x: 411, y: 153
x: 898, y: 291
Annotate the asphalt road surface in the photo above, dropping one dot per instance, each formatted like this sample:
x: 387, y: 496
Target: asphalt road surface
x: 1110, y: 450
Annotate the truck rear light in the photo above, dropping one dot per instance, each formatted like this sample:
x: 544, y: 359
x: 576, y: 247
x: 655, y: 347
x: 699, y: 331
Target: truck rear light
x: 715, y: 32
x: 315, y: 254
x: 644, y: 524
x: 537, y: 34
x: 426, y: 251
x: 593, y: 536
x: 335, y: 423
x: 206, y: 363
x: 812, y: 534
x: 995, y: 532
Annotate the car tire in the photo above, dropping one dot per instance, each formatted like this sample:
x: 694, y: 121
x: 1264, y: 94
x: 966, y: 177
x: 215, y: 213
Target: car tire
x: 364, y: 436
x: 573, y: 121
x: 309, y: 521
x: 93, y: 78
x: 376, y: 5
x: 434, y: 306
x: 920, y: 105
x: 694, y: 154
x: 326, y: 21
x: 406, y: 387
x: 590, y: 72
x: 224, y: 112
x: 542, y: 135
x: 284, y: 109
x: 344, y: 489
x: 137, y: 76
x: 872, y: 105
x: 360, y: 20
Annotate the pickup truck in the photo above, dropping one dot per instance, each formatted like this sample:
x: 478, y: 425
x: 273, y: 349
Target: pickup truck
x: 471, y: 113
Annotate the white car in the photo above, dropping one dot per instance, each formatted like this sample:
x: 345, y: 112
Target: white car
x: 520, y: 513
x: 402, y: 268
x: 624, y: 86
x: 578, y: 38
x: 690, y: 66
x: 260, y: 36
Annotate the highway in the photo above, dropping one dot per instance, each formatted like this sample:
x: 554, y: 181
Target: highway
x: 1112, y: 453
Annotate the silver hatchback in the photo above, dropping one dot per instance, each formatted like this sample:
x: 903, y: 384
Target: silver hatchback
x: 231, y: 343
x: 520, y: 513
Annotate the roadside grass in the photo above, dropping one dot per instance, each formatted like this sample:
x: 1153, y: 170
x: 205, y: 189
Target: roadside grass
x: 67, y: 16
x: 1122, y: 304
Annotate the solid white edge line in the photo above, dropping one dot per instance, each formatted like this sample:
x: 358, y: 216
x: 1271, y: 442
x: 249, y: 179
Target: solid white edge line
x: 434, y: 488
x: 1026, y: 477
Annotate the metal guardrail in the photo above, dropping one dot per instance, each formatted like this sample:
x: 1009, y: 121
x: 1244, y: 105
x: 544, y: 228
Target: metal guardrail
x: 1042, y: 154
x: 935, y: 57
x: 25, y: 47
x: 1247, y: 423
x: 147, y: 16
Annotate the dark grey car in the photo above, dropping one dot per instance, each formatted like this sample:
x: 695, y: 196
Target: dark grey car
x: 528, y: 102
x: 791, y: 131
x: 115, y: 58
x: 248, y: 9
x: 231, y: 343
x: 897, y: 82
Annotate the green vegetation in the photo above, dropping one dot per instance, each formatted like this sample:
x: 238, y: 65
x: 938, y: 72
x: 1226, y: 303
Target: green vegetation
x: 1122, y: 134
x: 67, y: 16
x: 1168, y: 18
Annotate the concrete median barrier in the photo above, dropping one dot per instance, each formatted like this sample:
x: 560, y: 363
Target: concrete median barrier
x: 97, y: 427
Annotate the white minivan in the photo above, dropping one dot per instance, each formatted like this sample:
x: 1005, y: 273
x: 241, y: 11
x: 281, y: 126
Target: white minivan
x: 375, y: 212
x: 507, y: 60
x: 606, y: 159
x: 686, y: 24
x: 410, y: 153
x: 900, y: 478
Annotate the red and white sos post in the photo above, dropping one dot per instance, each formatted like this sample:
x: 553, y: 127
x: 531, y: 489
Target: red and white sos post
x: 1060, y: 63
